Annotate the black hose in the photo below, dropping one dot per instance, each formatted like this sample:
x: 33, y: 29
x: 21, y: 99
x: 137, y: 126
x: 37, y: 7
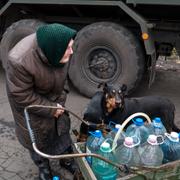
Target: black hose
x: 27, y: 118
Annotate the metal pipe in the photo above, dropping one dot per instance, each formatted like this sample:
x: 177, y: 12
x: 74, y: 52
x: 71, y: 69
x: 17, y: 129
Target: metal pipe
x: 78, y: 155
x: 32, y: 137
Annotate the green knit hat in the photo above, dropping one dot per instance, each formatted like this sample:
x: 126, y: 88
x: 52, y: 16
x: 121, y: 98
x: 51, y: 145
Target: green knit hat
x: 53, y: 40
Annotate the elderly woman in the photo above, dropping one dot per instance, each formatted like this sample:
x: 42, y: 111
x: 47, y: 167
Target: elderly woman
x: 37, y: 74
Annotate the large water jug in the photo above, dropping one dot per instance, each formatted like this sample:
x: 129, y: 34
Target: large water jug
x: 93, y: 143
x: 150, y: 152
x: 158, y: 127
x: 128, y: 153
x: 102, y: 169
x: 171, y: 147
x: 111, y: 135
x: 138, y: 129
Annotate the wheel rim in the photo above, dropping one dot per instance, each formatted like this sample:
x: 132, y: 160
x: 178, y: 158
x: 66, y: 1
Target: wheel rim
x: 101, y: 64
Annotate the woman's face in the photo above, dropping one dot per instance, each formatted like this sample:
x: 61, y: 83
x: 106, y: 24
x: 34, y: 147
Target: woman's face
x: 68, y: 53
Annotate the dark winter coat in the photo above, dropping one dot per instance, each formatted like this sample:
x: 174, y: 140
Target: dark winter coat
x: 31, y: 80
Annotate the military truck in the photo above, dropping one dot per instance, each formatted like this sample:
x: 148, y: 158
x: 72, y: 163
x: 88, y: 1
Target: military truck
x: 117, y: 41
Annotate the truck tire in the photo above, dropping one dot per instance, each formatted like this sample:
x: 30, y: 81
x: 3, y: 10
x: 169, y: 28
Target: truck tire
x: 14, y: 34
x: 106, y: 52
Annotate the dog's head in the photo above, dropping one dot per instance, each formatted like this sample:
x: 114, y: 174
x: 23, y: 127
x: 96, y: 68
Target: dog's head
x: 113, y: 96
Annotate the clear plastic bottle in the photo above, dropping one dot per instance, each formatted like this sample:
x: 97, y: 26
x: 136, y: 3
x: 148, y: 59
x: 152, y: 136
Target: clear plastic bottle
x: 102, y: 169
x: 138, y: 129
x: 171, y: 147
x: 150, y: 152
x: 158, y: 127
x: 93, y: 143
x: 111, y: 135
x: 127, y: 153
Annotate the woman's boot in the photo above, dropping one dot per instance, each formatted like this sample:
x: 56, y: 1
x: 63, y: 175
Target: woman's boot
x: 43, y: 165
x: 69, y: 163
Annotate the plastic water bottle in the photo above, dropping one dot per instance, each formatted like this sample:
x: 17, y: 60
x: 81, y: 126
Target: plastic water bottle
x: 102, y: 169
x: 93, y: 143
x: 150, y: 152
x: 171, y: 147
x: 113, y: 131
x: 111, y: 135
x: 56, y: 178
x: 128, y: 153
x: 158, y: 127
x: 138, y: 129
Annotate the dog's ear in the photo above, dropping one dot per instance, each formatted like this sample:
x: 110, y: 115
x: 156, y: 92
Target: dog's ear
x: 105, y: 86
x: 102, y: 84
x: 123, y: 88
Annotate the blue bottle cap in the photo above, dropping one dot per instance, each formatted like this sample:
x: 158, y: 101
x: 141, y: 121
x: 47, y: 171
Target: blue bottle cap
x: 96, y: 133
x: 56, y: 178
x: 157, y: 119
x: 139, y: 121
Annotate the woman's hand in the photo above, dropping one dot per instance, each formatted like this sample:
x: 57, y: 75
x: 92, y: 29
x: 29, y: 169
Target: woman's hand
x: 58, y: 112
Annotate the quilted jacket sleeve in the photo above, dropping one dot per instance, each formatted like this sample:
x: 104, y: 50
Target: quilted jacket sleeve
x: 21, y: 89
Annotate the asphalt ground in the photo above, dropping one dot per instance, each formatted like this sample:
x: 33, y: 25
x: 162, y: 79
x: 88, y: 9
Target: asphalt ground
x: 15, y: 162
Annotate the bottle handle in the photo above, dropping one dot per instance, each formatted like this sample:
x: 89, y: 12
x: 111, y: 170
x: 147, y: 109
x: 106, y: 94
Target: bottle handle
x: 111, y: 123
x: 138, y: 142
x: 162, y: 139
x: 169, y: 137
x: 92, y: 133
x: 133, y: 121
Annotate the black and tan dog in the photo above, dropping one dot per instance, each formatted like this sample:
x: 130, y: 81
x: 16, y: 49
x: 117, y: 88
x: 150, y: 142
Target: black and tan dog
x: 112, y: 105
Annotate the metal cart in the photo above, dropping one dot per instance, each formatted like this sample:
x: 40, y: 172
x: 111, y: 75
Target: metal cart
x: 169, y: 171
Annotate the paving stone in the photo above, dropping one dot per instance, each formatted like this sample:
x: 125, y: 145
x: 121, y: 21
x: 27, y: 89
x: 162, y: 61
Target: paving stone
x: 10, y: 175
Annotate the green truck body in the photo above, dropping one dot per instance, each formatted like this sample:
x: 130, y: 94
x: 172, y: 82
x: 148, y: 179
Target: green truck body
x: 154, y: 2
x: 109, y: 46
